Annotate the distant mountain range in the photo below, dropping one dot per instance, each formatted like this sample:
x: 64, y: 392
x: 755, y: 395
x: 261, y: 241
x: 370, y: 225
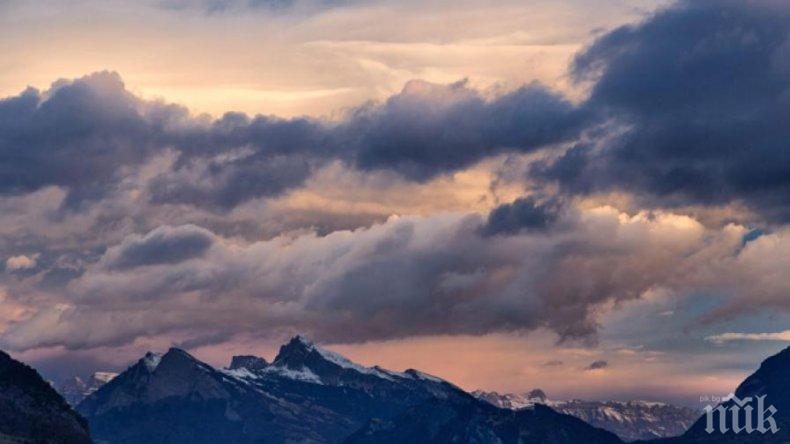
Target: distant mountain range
x: 630, y: 420
x: 307, y: 394
x: 312, y: 395
x: 32, y: 412
x: 76, y: 389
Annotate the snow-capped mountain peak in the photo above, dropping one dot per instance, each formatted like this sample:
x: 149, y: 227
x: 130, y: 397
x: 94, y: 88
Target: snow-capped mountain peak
x: 307, y: 361
x: 75, y: 389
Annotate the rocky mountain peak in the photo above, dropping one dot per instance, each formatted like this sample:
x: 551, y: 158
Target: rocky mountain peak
x: 250, y: 362
x: 295, y: 353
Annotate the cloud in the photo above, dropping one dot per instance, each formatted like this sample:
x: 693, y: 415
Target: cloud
x: 78, y: 135
x: 21, y: 262
x: 424, y: 131
x: 408, y: 276
x: 239, y: 6
x: 164, y: 245
x: 696, y: 101
x: 525, y: 213
x: 701, y: 127
x: 428, y: 129
x: 597, y: 365
x: 87, y: 135
x: 730, y: 337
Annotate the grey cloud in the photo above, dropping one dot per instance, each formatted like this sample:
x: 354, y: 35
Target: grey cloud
x: 525, y: 213
x: 694, y: 100
x: 424, y: 131
x: 222, y: 186
x: 78, y: 136
x: 428, y: 129
x: 699, y: 94
x: 597, y: 365
x: 164, y: 245
x: 238, y: 6
x: 88, y: 134
x: 405, y: 277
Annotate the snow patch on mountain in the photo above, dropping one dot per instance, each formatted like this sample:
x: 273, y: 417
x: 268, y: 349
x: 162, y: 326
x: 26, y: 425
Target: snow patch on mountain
x: 303, y: 374
x: 75, y: 389
x: 151, y: 360
x: 104, y: 377
x: 239, y: 373
x: 343, y: 362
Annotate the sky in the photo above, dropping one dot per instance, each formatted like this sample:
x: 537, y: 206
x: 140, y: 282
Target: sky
x: 590, y: 197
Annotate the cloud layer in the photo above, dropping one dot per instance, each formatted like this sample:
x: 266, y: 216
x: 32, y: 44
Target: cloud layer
x: 405, y: 277
x: 85, y: 135
x: 126, y: 219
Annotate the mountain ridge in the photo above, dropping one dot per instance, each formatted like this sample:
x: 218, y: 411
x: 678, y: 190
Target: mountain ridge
x: 306, y: 394
x: 32, y: 411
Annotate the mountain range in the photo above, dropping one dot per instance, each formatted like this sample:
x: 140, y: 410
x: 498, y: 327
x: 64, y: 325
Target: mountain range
x: 307, y: 394
x: 630, y: 420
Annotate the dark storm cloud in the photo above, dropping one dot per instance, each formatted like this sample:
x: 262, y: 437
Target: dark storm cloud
x: 702, y: 93
x: 164, y: 245
x: 428, y: 129
x: 223, y: 186
x: 237, y: 158
x: 78, y: 136
x: 85, y: 135
x: 424, y: 131
x: 524, y: 213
